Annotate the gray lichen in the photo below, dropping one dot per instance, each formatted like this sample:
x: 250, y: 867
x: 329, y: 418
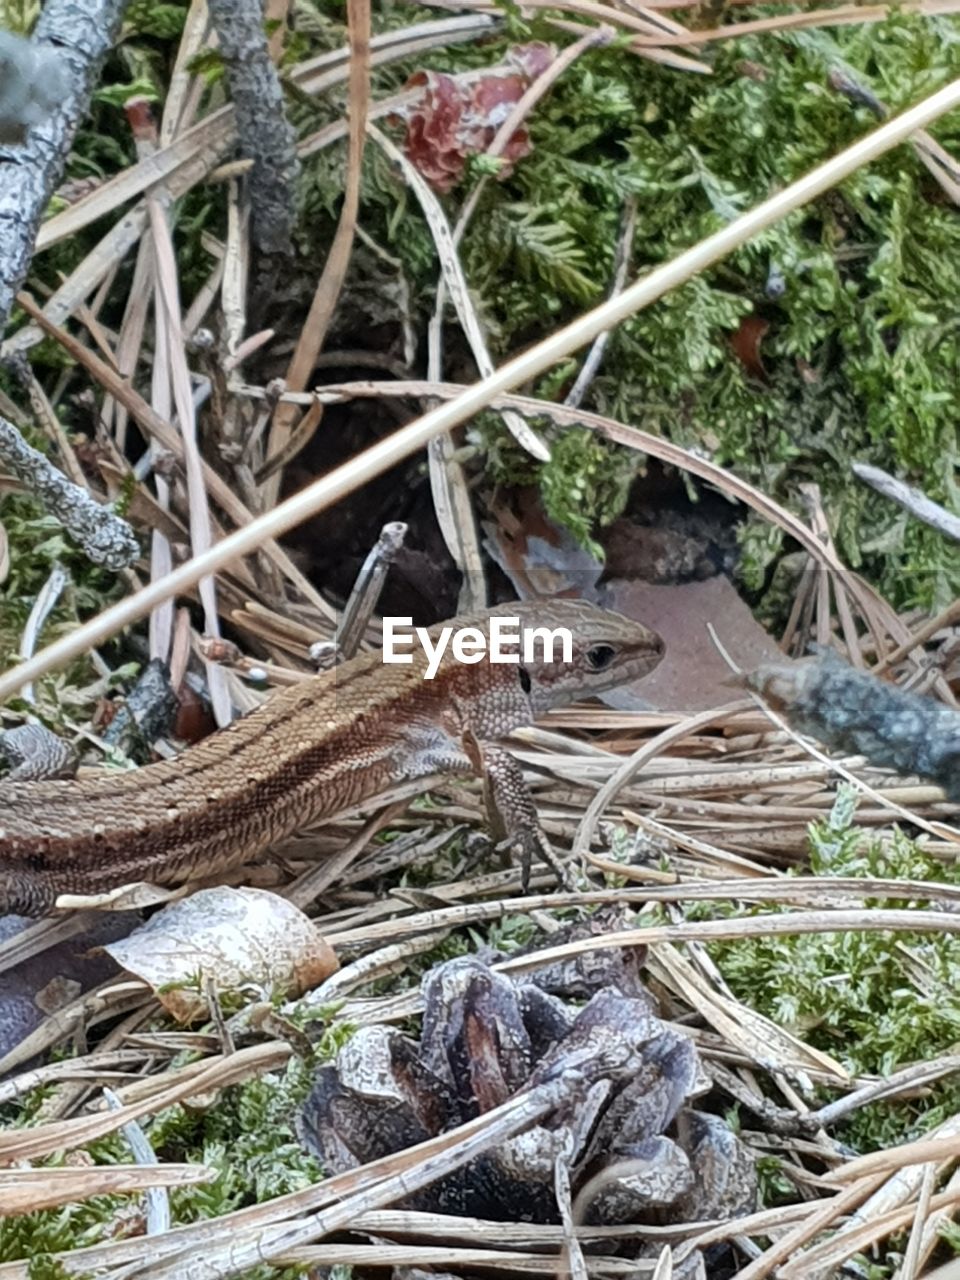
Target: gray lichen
x: 104, y: 536
x: 32, y: 80
x: 857, y: 713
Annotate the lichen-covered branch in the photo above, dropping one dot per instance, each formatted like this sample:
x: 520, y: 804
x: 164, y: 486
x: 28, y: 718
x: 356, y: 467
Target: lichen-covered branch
x: 854, y: 712
x: 266, y: 136
x: 104, y: 537
x: 75, y: 36
x: 912, y: 500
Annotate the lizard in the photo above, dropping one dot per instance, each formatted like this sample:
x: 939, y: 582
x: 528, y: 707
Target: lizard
x: 311, y: 751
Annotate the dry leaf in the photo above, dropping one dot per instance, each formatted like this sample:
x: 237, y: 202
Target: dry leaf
x: 746, y: 345
x: 234, y: 937
x: 539, y: 557
x: 690, y: 677
x: 456, y: 117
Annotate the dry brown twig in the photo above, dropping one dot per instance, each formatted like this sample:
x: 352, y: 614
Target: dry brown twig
x: 315, y: 328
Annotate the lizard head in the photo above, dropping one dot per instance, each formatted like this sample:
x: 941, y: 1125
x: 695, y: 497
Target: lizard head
x: 605, y: 650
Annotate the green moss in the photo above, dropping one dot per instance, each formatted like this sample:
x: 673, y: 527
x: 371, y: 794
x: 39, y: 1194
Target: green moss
x: 19, y: 15
x: 37, y: 542
x: 154, y: 18
x: 247, y: 1137
x: 875, y: 1001
x: 862, y: 347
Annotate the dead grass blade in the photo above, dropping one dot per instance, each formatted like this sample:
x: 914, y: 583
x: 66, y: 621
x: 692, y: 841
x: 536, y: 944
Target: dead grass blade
x: 760, y: 926
x: 456, y: 284
x: 160, y: 430
x: 448, y: 484
x: 43, y: 1139
x: 619, y: 432
x: 167, y: 313
x: 831, y: 1253
x: 27, y: 1190
x: 630, y: 768
x: 841, y: 16
x: 314, y: 332
x: 756, y: 1036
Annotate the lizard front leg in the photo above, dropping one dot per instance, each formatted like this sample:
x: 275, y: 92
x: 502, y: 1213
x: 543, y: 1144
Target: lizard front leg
x: 510, y: 808
x: 24, y: 893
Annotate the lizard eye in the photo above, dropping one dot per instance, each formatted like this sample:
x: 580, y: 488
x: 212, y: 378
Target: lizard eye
x: 525, y: 682
x: 600, y: 656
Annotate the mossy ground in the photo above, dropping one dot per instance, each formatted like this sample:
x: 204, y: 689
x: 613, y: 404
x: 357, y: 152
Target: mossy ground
x: 857, y: 289
x: 861, y: 357
x: 862, y: 347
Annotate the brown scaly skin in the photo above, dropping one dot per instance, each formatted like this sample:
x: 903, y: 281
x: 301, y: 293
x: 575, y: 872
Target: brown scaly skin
x: 310, y: 752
